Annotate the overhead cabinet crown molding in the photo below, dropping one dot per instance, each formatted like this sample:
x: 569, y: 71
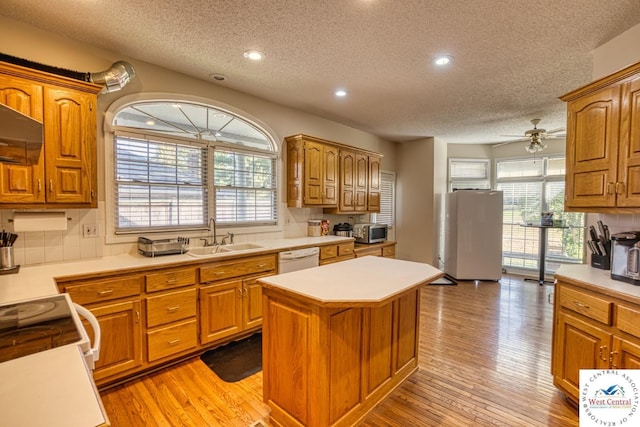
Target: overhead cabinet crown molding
x: 331, y: 175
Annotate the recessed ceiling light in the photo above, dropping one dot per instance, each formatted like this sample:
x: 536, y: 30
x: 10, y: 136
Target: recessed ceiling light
x: 443, y: 60
x: 150, y: 123
x: 218, y: 77
x: 254, y: 55
x: 340, y: 93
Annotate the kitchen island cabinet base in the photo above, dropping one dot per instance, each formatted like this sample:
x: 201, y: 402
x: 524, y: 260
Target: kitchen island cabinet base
x: 335, y: 363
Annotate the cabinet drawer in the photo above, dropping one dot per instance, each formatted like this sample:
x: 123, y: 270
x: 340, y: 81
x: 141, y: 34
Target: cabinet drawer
x: 104, y: 290
x: 172, y: 339
x: 628, y: 320
x: 345, y: 249
x: 237, y: 268
x: 389, y: 251
x: 585, y: 304
x: 170, y: 279
x: 171, y: 307
x: 369, y: 252
x: 327, y: 252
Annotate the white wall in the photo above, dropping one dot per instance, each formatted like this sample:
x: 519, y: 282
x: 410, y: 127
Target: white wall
x: 617, y: 53
x: 419, y: 167
x: 27, y: 42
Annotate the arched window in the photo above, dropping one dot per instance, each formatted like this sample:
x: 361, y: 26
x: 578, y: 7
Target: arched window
x: 176, y: 164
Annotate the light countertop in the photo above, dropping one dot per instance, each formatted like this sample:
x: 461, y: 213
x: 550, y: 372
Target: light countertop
x: 38, y: 280
x: 598, y: 279
x: 360, y: 280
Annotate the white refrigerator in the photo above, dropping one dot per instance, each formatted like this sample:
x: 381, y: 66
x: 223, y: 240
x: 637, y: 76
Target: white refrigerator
x: 473, y: 235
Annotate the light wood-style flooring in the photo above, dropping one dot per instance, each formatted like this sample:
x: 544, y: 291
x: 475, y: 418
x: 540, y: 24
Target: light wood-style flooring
x: 485, y: 353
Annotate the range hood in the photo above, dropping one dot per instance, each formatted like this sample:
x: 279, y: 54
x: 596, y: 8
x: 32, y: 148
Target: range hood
x: 20, y: 137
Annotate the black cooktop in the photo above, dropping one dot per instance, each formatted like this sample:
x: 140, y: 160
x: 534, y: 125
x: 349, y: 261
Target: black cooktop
x: 37, y: 325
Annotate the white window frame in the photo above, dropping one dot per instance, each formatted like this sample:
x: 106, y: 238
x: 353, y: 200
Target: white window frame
x: 109, y: 144
x: 389, y: 177
x: 485, y: 181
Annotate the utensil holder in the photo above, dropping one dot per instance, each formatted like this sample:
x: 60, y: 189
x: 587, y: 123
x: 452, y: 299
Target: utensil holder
x: 602, y: 262
x: 7, y: 261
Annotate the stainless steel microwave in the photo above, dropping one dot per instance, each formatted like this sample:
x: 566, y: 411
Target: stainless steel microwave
x: 370, y: 233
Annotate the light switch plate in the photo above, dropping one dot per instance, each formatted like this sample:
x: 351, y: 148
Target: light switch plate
x: 90, y: 230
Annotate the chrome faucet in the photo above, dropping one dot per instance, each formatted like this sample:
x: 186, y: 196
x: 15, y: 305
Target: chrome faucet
x: 228, y: 236
x: 211, y: 239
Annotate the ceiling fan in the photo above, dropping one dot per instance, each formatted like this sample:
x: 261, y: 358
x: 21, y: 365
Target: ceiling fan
x: 535, y: 137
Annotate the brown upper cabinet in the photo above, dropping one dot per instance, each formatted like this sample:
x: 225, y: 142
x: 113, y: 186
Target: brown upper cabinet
x: 336, y: 177
x: 65, y: 174
x: 603, y: 144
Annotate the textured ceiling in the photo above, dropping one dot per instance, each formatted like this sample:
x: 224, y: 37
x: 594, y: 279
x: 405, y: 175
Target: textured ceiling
x: 513, y: 58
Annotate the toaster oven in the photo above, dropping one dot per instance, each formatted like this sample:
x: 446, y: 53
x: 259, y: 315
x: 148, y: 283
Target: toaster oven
x: 370, y: 233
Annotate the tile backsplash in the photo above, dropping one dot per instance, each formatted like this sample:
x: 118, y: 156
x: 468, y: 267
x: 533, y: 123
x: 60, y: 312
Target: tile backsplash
x: 43, y: 247
x: 617, y: 223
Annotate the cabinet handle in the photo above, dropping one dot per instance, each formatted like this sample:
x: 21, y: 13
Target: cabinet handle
x: 610, y: 187
x: 219, y: 273
x: 51, y: 185
x: 581, y: 305
x: 549, y: 296
x: 603, y: 348
x: 239, y: 291
x: 137, y: 317
x: 172, y: 309
x: 172, y: 280
x: 105, y: 292
x: 611, y: 359
x: 174, y: 342
x: 619, y: 187
x: 39, y: 185
x: 262, y: 265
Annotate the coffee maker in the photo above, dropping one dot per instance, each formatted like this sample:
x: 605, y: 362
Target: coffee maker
x: 625, y: 257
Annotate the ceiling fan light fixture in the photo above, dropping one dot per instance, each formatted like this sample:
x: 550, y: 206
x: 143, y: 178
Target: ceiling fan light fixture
x: 535, y: 147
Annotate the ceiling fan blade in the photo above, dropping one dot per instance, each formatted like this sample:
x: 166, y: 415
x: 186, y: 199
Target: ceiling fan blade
x: 556, y: 130
x: 513, y: 136
x: 499, y: 144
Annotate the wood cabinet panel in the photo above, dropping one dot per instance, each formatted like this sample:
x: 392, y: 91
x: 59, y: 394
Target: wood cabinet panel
x: 170, y: 279
x: 252, y: 310
x: 227, y: 270
x: 171, y: 307
x: 329, y: 251
x: 103, y: 290
x: 220, y: 311
x: 380, y: 340
x: 628, y: 319
x: 407, y: 309
x: 22, y: 183
x: 626, y: 355
x: 345, y: 249
x: 66, y: 172
x: 389, y: 251
x: 375, y: 183
x: 173, y: 339
x: 588, y: 305
x: 603, y: 148
x: 345, y: 359
x: 121, y: 347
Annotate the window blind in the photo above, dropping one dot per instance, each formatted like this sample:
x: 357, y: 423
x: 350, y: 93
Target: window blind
x: 387, y: 200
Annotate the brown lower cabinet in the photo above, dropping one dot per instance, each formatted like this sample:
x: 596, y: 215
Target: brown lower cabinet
x: 592, y: 330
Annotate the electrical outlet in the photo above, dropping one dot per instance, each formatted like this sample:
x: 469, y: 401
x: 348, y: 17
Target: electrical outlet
x: 90, y: 230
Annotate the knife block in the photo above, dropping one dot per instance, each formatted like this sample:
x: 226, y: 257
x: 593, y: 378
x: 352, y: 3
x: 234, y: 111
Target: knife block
x: 602, y: 262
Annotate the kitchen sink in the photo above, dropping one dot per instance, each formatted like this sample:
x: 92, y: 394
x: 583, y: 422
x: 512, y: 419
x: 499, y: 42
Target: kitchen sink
x: 221, y: 249
x: 239, y: 247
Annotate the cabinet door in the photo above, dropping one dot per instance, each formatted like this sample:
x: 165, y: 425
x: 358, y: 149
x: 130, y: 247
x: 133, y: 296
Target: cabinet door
x: 220, y: 311
x: 629, y: 156
x: 22, y: 183
x: 70, y: 138
x: 313, y: 168
x: 330, y: 175
x: 361, y: 182
x: 625, y: 355
x: 347, y: 181
x: 592, y: 149
x: 122, y: 334
x: 252, y: 312
x: 375, y: 184
x: 578, y: 345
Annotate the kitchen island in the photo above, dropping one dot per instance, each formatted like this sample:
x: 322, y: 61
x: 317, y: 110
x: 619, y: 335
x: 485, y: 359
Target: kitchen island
x: 339, y: 338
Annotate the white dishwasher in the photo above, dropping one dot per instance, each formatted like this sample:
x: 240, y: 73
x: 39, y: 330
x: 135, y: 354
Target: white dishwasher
x: 298, y: 259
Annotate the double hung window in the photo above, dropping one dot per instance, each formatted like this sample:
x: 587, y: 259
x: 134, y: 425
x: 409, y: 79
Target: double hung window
x: 178, y: 164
